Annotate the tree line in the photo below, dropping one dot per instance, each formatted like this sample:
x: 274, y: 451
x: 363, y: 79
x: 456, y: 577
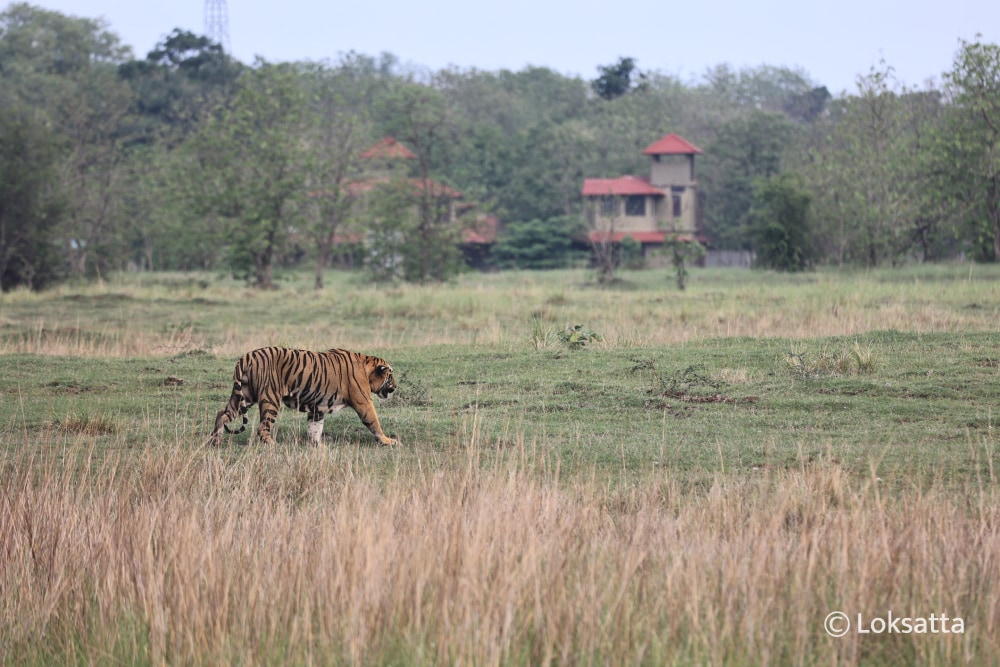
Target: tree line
x: 188, y: 159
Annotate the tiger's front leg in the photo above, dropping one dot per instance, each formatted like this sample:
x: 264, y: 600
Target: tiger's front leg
x: 370, y: 419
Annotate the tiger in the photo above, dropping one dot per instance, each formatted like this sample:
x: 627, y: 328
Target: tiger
x: 318, y: 383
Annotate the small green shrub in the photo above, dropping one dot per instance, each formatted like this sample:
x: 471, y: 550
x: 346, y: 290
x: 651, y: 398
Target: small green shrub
x: 577, y: 336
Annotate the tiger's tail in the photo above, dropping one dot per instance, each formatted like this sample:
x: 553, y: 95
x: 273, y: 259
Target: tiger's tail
x: 238, y: 405
x: 243, y: 413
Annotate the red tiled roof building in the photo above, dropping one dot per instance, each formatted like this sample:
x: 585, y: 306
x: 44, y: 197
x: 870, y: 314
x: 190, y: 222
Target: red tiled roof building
x: 648, y: 208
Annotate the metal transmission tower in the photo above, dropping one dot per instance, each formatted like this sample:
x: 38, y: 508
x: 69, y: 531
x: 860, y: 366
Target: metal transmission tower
x: 217, y: 22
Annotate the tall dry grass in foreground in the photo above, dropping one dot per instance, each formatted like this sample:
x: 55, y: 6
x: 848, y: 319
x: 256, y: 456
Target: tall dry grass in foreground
x: 172, y: 555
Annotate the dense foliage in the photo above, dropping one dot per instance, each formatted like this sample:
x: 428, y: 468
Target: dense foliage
x: 538, y: 244
x: 186, y: 158
x: 780, y: 224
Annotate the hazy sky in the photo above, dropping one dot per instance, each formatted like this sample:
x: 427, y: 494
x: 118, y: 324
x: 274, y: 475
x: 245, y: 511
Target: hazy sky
x: 832, y: 41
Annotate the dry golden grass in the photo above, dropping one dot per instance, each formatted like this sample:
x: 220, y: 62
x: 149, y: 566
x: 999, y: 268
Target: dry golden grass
x: 490, y: 309
x: 180, y: 556
x: 147, y: 550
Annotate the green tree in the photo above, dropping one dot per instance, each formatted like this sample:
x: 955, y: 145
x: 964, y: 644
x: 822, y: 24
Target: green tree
x: 95, y: 115
x: 391, y: 217
x: 747, y: 148
x: 618, y: 79
x: 780, y: 224
x: 552, y: 160
x: 807, y: 106
x: 63, y: 69
x: 512, y: 102
x: 252, y: 174
x: 335, y: 137
x: 419, y: 116
x: 766, y: 88
x: 605, y: 250
x: 974, y: 87
x: 29, y: 209
x: 630, y: 253
x: 178, y: 84
x: 538, y: 244
x: 39, y: 47
x: 682, y: 250
x: 869, y: 173
x: 621, y: 128
x: 164, y: 230
x: 934, y: 224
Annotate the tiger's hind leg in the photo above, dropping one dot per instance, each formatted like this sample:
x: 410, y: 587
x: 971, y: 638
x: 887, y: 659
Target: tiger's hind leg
x: 268, y: 413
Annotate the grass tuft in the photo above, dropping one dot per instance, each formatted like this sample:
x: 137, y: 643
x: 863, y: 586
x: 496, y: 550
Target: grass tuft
x: 844, y: 361
x: 865, y: 358
x: 86, y: 425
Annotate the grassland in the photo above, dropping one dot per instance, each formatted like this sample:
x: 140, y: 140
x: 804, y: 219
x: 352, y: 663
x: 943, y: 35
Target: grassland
x: 701, y: 484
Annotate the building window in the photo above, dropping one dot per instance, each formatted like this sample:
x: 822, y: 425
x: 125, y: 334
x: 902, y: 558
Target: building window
x: 635, y: 205
x: 609, y: 206
x: 676, y: 193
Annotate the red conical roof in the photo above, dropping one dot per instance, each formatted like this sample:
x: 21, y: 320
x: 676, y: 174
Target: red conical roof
x: 671, y: 144
x: 388, y: 148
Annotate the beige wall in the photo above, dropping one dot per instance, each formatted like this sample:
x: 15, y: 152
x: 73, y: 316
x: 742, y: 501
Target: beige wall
x: 620, y: 221
x: 659, y: 214
x: 665, y: 173
x: 686, y: 222
x: 671, y: 170
x: 674, y: 171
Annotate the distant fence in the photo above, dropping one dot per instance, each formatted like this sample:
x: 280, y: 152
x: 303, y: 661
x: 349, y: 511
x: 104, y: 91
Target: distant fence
x: 734, y: 259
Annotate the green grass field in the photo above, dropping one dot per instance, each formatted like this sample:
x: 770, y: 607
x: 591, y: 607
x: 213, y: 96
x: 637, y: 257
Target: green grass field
x: 702, y: 481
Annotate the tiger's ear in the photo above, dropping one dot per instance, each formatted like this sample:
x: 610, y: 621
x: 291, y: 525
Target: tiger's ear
x: 381, y: 369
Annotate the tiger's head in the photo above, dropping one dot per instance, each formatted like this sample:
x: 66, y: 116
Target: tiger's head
x: 380, y: 378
